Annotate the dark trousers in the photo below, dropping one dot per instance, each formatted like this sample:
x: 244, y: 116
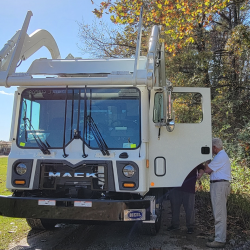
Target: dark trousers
x: 178, y: 197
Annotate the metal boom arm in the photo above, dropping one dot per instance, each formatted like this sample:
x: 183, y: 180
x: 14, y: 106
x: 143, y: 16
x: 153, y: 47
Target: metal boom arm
x: 21, y: 46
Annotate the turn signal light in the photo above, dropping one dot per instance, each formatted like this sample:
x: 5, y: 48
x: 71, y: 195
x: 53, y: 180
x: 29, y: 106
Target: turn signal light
x: 128, y: 184
x: 19, y: 182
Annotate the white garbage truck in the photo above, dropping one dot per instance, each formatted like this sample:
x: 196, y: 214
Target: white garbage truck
x: 99, y: 139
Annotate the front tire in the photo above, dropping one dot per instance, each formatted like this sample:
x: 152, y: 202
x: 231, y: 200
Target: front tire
x: 41, y: 224
x: 153, y: 228
x: 150, y: 228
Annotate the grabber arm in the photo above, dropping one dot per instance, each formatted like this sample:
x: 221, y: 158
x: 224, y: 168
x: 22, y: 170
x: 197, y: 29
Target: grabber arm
x: 21, y: 46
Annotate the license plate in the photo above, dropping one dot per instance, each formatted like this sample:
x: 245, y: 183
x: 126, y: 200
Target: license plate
x: 134, y: 214
x: 83, y: 203
x: 47, y: 202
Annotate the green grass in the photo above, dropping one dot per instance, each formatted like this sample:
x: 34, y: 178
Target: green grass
x: 11, y: 229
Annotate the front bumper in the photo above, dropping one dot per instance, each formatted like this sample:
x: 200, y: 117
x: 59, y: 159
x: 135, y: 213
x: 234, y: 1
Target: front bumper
x: 73, y: 209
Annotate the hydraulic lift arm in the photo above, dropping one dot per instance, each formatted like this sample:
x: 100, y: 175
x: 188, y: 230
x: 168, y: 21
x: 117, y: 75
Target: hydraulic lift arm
x: 21, y: 46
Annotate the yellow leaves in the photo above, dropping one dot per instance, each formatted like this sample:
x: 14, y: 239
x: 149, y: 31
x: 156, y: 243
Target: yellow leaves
x: 207, y: 2
x: 104, y: 4
x: 159, y: 6
x: 98, y: 13
x: 172, y: 48
x: 131, y: 20
x: 137, y: 12
x: 123, y: 14
x: 190, y: 40
x: 112, y: 18
x: 119, y: 9
x: 181, y: 35
x: 118, y: 20
x: 178, y: 6
x: 111, y: 9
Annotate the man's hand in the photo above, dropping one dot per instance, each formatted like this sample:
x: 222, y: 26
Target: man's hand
x: 200, y: 173
x: 207, y: 169
x: 208, y: 161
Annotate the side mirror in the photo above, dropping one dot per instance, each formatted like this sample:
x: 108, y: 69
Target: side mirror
x: 163, y: 109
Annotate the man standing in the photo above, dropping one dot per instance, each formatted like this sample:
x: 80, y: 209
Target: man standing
x: 185, y: 195
x: 220, y: 175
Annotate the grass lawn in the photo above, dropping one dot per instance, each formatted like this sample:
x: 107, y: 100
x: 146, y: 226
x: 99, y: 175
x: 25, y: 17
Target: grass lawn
x: 11, y: 229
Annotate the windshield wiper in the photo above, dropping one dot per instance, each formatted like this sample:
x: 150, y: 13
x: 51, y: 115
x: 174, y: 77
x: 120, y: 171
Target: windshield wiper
x: 44, y: 147
x: 84, y: 155
x: 98, y: 136
x: 64, y: 126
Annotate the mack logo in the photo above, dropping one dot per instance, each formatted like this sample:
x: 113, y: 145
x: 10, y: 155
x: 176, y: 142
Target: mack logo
x: 135, y: 214
x: 58, y: 174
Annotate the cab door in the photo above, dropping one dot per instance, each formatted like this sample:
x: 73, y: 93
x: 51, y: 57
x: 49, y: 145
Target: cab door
x: 172, y: 155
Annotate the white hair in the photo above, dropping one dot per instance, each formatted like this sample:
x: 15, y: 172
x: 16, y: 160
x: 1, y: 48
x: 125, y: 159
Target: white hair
x: 217, y: 142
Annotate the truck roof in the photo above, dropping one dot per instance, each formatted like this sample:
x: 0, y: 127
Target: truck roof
x: 84, y: 66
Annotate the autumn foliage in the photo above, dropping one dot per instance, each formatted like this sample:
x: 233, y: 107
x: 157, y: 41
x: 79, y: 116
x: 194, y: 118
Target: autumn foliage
x: 179, y: 18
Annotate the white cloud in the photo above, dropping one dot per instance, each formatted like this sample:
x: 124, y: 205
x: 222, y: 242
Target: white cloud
x: 4, y: 93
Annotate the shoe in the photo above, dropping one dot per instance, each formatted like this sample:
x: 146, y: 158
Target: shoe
x: 190, y: 230
x: 210, y: 238
x: 172, y: 228
x: 215, y: 244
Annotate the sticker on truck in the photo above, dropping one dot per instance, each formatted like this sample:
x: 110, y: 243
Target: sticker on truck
x: 47, y: 202
x: 134, y: 214
x: 82, y: 203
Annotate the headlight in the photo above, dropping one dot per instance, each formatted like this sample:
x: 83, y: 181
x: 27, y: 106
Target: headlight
x: 128, y: 171
x: 21, y: 168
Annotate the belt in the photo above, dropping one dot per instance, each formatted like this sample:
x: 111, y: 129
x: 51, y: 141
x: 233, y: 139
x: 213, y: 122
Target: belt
x: 213, y: 181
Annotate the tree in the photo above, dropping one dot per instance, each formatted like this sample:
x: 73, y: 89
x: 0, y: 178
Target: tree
x: 100, y: 40
x: 230, y: 75
x: 179, y: 18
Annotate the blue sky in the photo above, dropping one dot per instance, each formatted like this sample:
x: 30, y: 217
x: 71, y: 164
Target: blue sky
x: 59, y: 17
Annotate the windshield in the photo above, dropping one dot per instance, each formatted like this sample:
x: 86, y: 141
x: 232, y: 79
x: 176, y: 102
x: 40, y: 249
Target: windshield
x: 48, y: 114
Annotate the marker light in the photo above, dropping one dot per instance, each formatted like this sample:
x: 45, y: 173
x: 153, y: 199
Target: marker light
x: 21, y: 169
x: 128, y: 171
x: 19, y: 182
x: 128, y: 184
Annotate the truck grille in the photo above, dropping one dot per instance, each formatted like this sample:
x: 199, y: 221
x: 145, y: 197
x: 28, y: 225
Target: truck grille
x: 53, y: 175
